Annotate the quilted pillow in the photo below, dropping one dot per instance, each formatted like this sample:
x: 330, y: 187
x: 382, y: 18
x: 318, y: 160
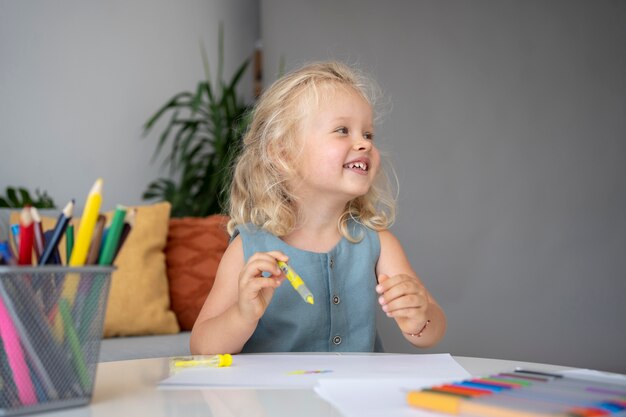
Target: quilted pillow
x: 194, y: 248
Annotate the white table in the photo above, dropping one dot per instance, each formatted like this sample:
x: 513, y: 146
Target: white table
x: 129, y: 388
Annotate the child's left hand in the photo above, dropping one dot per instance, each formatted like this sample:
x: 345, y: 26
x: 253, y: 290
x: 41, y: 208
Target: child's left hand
x: 404, y: 298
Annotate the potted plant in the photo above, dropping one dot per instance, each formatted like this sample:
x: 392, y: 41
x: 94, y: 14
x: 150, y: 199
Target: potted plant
x: 204, y: 131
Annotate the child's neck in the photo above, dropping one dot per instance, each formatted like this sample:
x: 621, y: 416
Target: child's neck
x: 312, y: 239
x: 317, y: 230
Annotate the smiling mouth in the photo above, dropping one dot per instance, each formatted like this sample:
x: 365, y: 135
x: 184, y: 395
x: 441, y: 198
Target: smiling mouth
x: 360, y: 165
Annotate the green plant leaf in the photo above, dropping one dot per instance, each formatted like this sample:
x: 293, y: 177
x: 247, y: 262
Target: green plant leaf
x: 18, y: 197
x: 200, y: 139
x: 26, y: 199
x: 220, y: 52
x: 164, y: 136
x: 13, y: 198
x: 238, y: 74
x: 43, y: 201
x: 174, y: 102
x: 197, y: 98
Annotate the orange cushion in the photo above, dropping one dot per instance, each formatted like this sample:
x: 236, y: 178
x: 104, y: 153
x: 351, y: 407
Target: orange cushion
x: 194, y: 248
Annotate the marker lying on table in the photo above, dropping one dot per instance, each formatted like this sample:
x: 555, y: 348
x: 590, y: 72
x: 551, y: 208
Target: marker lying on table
x: 296, y: 282
x: 216, y: 361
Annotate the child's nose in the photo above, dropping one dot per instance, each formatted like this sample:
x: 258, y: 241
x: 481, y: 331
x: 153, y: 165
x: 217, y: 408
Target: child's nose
x: 362, y: 144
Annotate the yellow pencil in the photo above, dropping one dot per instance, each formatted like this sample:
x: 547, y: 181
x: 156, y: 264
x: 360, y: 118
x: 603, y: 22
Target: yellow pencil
x: 80, y: 251
x: 83, y: 239
x: 87, y: 225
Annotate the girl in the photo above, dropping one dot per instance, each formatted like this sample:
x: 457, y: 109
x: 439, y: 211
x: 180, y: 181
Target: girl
x: 308, y: 190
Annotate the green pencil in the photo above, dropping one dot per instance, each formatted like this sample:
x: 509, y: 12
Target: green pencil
x: 77, y: 352
x: 113, y: 236
x: 69, y: 242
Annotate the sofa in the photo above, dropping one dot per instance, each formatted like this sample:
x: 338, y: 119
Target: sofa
x: 162, y: 276
x: 141, y: 347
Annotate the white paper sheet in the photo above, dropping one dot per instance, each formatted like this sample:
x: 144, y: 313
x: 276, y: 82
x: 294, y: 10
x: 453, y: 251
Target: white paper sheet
x: 369, y: 398
x: 598, y: 376
x: 302, y: 371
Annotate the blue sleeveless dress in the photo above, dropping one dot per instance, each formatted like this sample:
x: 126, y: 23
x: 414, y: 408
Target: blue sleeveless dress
x: 343, y: 282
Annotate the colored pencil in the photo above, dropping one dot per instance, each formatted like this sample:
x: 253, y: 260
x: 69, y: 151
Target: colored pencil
x: 77, y: 352
x: 96, y: 241
x: 57, y: 234
x: 69, y: 242
x: 14, y: 237
x: 87, y: 225
x: 126, y: 229
x: 38, y: 232
x: 7, y: 253
x: 25, y: 254
x: 31, y: 327
x: 15, y: 356
x: 113, y: 236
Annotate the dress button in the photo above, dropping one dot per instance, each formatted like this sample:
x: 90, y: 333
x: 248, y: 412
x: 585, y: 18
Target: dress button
x: 337, y: 340
x: 332, y: 263
x: 336, y: 300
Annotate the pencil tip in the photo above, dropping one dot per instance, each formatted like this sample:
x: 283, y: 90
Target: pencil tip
x: 131, y: 215
x: 97, y: 187
x: 26, y: 216
x: 35, y: 214
x: 69, y: 208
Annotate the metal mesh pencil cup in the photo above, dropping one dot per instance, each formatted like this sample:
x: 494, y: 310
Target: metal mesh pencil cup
x: 51, y: 322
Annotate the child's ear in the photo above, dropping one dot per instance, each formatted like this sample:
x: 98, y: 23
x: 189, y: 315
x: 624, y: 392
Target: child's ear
x: 275, y: 149
x: 281, y: 156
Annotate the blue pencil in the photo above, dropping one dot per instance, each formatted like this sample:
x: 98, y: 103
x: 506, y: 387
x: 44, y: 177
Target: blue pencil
x: 59, y: 230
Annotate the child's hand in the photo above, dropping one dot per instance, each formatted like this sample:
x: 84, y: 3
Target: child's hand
x: 255, y: 290
x: 404, y: 298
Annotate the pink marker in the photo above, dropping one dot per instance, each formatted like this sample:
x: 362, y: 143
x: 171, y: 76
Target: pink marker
x: 15, y: 355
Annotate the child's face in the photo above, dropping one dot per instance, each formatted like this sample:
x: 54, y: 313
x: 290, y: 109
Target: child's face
x: 339, y: 158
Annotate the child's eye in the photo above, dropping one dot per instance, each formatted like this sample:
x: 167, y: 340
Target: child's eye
x: 342, y: 130
x: 368, y: 136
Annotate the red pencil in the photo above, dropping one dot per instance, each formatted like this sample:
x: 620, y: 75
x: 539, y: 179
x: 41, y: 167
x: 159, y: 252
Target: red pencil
x: 27, y: 230
x: 39, y: 242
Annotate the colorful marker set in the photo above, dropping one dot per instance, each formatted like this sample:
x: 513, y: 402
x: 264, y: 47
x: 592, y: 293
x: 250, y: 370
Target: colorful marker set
x: 94, y: 244
x: 51, y: 316
x: 524, y: 393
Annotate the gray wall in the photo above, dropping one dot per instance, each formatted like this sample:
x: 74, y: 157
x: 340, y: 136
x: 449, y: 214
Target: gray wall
x: 79, y: 78
x: 508, y: 133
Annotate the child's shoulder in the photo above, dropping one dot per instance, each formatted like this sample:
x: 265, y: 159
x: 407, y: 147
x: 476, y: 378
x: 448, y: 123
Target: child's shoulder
x: 247, y: 229
x: 388, y: 241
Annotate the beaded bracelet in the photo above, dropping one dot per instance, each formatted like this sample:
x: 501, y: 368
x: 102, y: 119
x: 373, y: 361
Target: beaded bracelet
x: 419, y: 334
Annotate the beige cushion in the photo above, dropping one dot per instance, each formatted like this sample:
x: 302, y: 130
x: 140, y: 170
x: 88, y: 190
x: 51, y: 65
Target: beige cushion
x: 139, y: 302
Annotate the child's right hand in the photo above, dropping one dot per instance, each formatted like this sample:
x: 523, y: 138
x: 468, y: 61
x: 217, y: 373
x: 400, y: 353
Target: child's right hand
x: 255, y: 290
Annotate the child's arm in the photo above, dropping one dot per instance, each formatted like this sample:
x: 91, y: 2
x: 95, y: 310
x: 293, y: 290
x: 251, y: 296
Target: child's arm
x: 404, y: 297
x: 238, y: 299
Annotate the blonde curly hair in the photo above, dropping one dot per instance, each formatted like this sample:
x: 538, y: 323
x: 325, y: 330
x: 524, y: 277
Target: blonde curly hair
x: 259, y: 191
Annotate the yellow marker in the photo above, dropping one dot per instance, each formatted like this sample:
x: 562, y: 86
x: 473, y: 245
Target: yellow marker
x: 296, y: 282
x: 217, y: 361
